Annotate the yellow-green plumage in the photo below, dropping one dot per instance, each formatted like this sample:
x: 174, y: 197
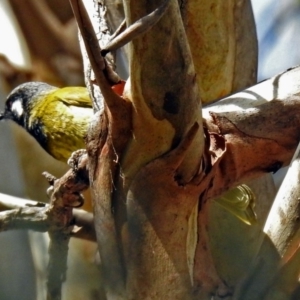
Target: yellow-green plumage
x: 67, y: 124
x: 57, y: 118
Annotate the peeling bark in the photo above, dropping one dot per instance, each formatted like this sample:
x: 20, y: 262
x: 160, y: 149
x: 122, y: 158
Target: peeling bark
x: 153, y: 189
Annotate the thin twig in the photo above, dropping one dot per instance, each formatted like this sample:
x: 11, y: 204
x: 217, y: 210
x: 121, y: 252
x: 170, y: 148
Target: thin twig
x: 136, y: 29
x: 24, y: 218
x: 98, y: 63
x: 119, y: 30
x: 20, y: 214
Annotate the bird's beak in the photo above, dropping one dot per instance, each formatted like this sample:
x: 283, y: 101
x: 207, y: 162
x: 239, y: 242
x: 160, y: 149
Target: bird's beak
x: 4, y: 115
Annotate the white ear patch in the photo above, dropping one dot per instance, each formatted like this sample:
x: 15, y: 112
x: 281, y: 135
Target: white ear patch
x: 17, y: 107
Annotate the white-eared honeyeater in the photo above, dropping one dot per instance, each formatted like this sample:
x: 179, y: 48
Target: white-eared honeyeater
x: 57, y: 118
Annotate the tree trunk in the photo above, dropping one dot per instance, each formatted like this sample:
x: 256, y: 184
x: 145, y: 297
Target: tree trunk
x: 156, y: 165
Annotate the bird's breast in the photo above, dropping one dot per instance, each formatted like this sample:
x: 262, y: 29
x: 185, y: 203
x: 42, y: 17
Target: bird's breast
x: 61, y: 129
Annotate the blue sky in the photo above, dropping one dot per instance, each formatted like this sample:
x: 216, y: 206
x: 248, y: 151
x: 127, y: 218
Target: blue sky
x: 278, y: 28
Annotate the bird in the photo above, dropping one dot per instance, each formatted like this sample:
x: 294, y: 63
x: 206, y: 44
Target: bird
x: 58, y: 118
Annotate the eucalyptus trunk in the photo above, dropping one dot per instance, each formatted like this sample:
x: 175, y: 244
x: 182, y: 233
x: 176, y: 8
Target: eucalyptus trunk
x: 156, y: 165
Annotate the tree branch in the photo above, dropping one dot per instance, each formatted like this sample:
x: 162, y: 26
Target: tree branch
x: 136, y: 29
x: 20, y: 214
x: 106, y: 140
x: 102, y: 68
x: 260, y: 129
x: 283, y: 221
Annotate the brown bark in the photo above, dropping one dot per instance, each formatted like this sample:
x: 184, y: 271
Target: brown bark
x: 159, y: 244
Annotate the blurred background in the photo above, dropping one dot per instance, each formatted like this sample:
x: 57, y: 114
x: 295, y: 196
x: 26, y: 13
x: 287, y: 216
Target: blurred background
x: 44, y: 47
x: 39, y: 42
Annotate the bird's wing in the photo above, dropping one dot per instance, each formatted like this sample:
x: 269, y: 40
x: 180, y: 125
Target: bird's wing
x: 76, y: 96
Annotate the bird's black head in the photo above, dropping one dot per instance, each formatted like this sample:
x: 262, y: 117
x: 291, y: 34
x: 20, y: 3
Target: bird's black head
x: 21, y: 100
